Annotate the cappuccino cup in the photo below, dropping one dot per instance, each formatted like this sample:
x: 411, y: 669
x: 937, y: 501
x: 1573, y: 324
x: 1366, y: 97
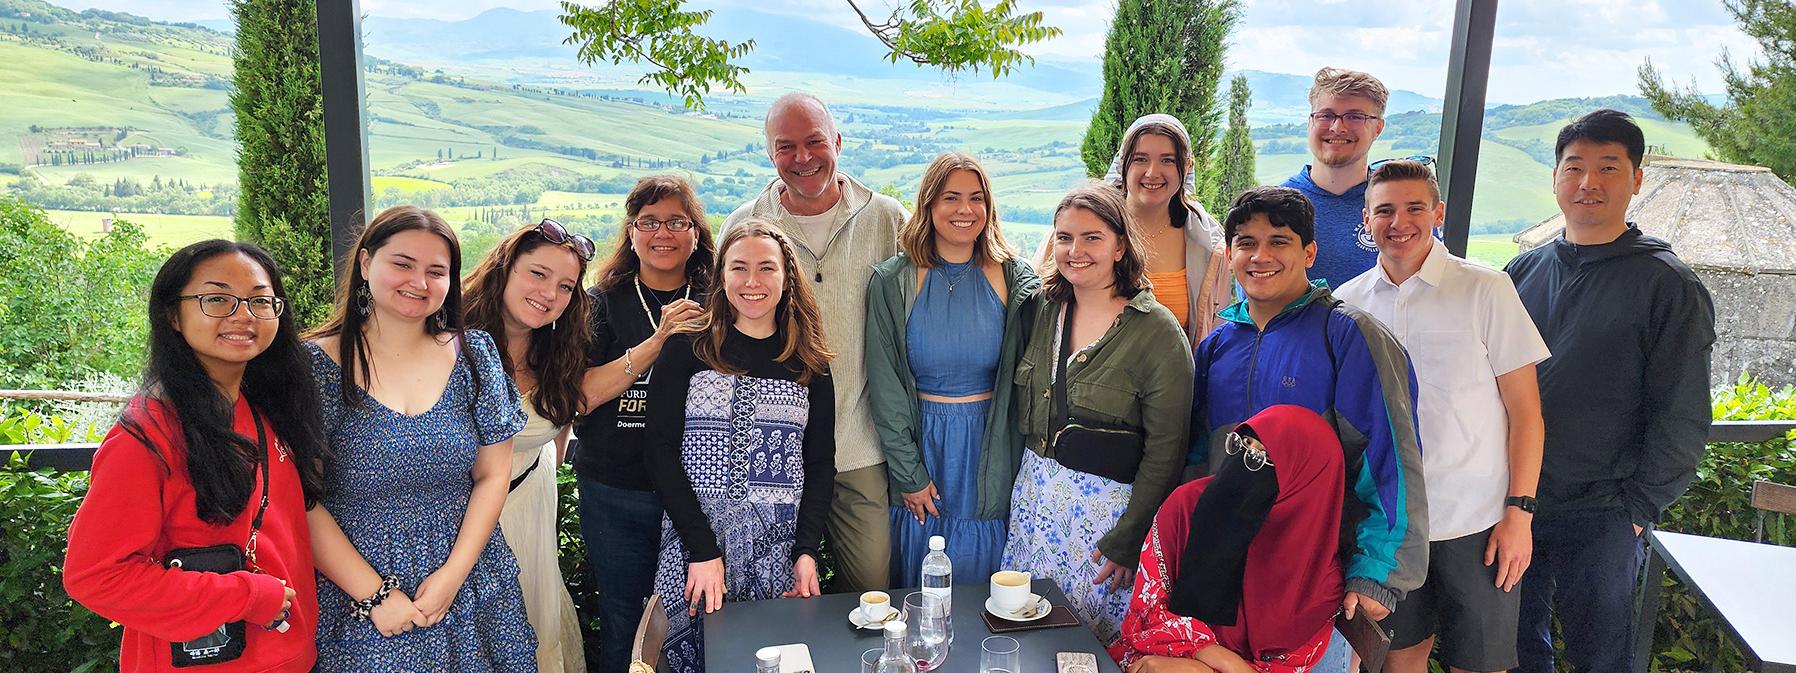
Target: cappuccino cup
x: 875, y: 605
x: 1010, y: 590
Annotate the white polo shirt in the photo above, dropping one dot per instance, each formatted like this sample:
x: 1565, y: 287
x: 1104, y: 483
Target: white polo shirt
x: 1464, y: 326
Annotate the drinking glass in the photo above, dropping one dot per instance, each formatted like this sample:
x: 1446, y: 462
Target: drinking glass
x: 870, y: 660
x: 999, y: 654
x: 927, y: 616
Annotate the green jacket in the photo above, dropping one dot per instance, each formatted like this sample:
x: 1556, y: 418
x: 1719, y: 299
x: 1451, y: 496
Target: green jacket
x: 893, y: 390
x: 1137, y: 375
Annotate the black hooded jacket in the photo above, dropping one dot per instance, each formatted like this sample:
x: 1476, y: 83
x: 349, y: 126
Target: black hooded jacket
x: 1625, y: 394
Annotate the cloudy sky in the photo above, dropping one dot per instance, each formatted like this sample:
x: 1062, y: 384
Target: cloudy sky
x: 1544, y: 48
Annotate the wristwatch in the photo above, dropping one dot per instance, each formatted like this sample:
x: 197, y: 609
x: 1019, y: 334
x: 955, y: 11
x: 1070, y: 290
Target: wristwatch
x: 1525, y: 503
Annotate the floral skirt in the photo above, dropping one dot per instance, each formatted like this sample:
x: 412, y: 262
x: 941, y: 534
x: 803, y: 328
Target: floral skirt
x: 1057, y: 516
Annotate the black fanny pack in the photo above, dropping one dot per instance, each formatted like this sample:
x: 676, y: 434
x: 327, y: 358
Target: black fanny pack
x: 227, y: 642
x: 1100, y: 449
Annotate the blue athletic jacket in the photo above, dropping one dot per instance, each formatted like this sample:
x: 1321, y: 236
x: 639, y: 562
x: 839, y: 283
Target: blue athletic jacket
x: 1369, y: 384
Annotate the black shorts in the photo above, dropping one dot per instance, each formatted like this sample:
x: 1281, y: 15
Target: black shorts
x: 1460, y: 601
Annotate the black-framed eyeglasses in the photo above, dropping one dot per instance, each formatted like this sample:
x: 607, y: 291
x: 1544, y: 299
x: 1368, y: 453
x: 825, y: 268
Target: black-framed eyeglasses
x: 1422, y: 159
x: 224, y: 305
x: 1352, y: 120
x: 557, y: 233
x: 1252, y: 452
x: 651, y: 225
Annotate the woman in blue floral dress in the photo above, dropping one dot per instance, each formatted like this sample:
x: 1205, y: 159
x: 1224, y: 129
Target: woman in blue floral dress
x: 741, y: 440
x: 414, y: 575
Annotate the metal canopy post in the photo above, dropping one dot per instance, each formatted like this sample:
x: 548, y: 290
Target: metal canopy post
x: 345, y: 122
x: 1462, y: 115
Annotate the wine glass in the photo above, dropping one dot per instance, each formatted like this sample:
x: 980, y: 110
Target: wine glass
x: 927, y: 616
x: 999, y: 654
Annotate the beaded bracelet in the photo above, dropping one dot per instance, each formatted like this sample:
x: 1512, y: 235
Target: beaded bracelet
x: 364, y: 608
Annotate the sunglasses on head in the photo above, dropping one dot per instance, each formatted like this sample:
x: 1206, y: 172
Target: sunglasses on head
x: 1422, y: 159
x: 557, y: 233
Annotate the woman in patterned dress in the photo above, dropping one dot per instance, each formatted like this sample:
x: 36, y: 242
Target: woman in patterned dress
x: 1240, y: 571
x: 526, y: 293
x: 939, y: 366
x: 742, y: 442
x: 1127, y: 377
x: 420, y: 414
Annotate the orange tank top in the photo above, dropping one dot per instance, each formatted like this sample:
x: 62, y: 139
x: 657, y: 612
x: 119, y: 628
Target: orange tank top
x: 1172, y: 291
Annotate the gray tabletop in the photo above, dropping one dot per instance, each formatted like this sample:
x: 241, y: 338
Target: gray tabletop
x: 734, y: 633
x: 1750, y: 586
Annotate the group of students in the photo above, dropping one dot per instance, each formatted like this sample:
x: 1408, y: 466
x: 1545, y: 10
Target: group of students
x: 738, y: 401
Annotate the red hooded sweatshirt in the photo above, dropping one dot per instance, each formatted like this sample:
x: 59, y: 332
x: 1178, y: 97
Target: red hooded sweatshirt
x: 138, y: 507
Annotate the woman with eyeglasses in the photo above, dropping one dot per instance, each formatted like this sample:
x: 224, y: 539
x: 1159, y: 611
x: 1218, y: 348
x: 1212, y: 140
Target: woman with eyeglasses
x: 193, y: 533
x: 421, y: 414
x: 526, y: 293
x: 653, y: 281
x: 1240, y: 571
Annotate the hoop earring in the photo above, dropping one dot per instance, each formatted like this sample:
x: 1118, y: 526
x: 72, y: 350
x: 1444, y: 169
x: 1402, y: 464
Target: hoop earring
x: 363, y: 299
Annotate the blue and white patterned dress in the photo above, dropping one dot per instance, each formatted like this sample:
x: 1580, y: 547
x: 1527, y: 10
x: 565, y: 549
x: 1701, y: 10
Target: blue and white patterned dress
x: 733, y: 455
x: 399, y: 488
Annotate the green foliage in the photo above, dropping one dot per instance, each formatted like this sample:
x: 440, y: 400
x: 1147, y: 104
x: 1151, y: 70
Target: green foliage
x: 46, y: 631
x: 1719, y: 504
x: 575, y: 572
x: 70, y: 307
x: 1235, y: 159
x: 279, y: 103
x: 1162, y: 56
x: 950, y: 34
x: 1757, y: 125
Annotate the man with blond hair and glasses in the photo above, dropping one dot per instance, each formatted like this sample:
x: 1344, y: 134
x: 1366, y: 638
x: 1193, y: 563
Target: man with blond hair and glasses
x: 1346, y: 116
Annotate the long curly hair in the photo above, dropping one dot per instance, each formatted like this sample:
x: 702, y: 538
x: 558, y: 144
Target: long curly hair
x: 624, y: 263
x: 221, y: 462
x: 797, y: 315
x: 557, y: 356
x: 348, y: 324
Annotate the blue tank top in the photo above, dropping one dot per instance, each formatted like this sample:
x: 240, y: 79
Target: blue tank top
x: 955, y: 330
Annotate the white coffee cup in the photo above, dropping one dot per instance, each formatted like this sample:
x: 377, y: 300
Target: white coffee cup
x: 875, y: 605
x: 1010, y: 590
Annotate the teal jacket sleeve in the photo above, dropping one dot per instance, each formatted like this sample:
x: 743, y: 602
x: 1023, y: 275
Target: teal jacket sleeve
x: 1375, y: 393
x: 894, y: 408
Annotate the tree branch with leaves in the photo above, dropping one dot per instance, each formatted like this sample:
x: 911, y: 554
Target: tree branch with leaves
x: 953, y: 35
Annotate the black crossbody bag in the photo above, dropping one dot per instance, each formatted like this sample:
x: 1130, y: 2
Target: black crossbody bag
x: 227, y: 642
x: 1101, y: 449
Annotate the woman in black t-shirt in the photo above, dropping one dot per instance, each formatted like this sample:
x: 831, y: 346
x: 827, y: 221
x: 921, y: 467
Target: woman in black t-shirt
x: 652, y: 282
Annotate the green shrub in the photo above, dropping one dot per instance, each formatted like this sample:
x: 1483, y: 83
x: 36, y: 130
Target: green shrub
x: 1719, y: 504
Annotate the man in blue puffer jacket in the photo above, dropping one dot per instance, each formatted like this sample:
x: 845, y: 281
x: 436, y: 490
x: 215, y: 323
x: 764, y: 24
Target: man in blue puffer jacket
x: 1291, y: 342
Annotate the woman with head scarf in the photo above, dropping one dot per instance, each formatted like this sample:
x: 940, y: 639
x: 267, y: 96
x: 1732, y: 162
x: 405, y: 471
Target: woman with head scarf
x: 1241, y: 570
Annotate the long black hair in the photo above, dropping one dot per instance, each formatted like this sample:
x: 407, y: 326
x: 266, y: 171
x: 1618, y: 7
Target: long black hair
x: 220, y: 461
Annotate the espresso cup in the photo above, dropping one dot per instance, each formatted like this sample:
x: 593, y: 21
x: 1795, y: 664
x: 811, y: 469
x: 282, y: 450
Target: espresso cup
x: 875, y: 605
x: 1010, y: 590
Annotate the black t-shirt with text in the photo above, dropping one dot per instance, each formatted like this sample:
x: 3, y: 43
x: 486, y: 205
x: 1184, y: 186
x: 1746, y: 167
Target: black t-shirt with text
x: 611, y: 437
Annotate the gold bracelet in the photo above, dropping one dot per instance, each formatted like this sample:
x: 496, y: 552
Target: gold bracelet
x: 629, y: 367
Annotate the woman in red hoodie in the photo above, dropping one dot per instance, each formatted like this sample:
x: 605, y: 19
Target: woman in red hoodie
x: 220, y: 449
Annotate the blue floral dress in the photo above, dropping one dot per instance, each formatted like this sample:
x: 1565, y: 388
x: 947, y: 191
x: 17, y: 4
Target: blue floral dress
x: 399, y: 486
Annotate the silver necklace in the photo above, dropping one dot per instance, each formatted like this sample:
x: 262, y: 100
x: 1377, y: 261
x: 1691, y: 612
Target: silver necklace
x: 654, y: 323
x: 952, y: 280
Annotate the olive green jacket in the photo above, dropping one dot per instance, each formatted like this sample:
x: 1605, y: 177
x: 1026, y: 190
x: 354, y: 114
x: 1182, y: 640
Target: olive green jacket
x: 893, y: 389
x: 1137, y: 375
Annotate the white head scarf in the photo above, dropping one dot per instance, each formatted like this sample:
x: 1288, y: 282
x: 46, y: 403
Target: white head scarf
x: 1115, y: 175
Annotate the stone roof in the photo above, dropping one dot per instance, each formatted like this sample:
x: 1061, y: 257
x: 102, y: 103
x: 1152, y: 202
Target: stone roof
x: 1718, y: 216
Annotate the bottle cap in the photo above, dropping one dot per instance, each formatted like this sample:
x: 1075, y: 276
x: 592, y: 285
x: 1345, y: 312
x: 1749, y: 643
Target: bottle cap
x: 937, y: 543
x: 895, y: 629
x: 768, y: 656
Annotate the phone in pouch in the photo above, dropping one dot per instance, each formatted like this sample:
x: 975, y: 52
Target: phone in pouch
x: 227, y: 642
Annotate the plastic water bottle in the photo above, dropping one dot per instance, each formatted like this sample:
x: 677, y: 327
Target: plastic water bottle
x: 897, y: 658
x: 767, y: 660
x: 938, y: 578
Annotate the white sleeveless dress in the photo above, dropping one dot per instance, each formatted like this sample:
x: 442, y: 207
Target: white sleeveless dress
x: 528, y: 521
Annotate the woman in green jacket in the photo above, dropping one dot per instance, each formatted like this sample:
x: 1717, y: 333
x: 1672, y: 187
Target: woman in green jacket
x: 1106, y: 443
x: 944, y: 326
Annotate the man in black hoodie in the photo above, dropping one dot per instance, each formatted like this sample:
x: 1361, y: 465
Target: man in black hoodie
x: 1625, y: 397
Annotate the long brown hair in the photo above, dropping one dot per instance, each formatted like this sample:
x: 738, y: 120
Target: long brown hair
x: 347, y: 322
x: 556, y: 356
x: 797, y: 313
x: 917, y: 237
x: 624, y: 263
x: 1106, y: 202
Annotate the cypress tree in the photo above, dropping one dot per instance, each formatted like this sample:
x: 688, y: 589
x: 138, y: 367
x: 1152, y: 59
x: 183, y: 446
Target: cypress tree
x: 1235, y: 158
x: 1162, y: 56
x: 279, y: 103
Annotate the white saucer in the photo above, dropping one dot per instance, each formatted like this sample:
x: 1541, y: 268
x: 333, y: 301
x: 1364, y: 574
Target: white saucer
x: 860, y: 622
x: 1034, y: 599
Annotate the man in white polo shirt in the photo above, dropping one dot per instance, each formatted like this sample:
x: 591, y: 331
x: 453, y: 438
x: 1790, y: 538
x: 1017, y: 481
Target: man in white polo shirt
x: 1474, y: 349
